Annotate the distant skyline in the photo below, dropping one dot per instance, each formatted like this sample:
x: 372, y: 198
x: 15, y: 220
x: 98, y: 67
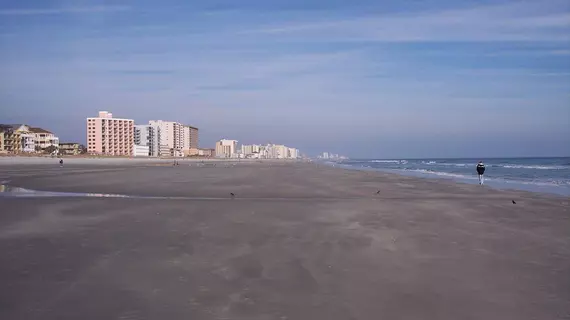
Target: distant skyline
x: 366, y: 79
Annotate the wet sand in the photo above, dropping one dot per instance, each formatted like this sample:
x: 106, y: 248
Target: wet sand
x: 298, y: 241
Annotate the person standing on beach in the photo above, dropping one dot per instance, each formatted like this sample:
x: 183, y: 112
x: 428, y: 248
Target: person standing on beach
x: 481, y: 172
x: 61, y: 163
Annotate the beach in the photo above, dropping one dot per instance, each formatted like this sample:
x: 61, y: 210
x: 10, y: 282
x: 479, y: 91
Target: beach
x: 142, y: 239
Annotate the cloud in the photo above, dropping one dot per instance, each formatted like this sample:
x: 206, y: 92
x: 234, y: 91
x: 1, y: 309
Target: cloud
x: 518, y: 21
x: 55, y: 11
x: 561, y: 52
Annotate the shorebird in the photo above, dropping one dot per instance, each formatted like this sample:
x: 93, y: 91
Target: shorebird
x: 513, y: 201
x: 378, y: 192
x: 232, y: 194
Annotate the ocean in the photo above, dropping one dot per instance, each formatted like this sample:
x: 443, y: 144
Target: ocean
x: 547, y: 175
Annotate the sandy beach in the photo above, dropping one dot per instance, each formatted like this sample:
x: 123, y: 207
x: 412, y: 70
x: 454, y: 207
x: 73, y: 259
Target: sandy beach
x: 298, y: 241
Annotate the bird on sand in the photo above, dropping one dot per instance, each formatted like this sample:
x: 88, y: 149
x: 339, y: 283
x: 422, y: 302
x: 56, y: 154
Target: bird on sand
x: 378, y: 192
x: 232, y: 194
x: 513, y: 201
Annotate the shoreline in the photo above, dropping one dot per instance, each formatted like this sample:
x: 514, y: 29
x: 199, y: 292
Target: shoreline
x: 490, y: 181
x: 72, y: 162
x: 102, y: 165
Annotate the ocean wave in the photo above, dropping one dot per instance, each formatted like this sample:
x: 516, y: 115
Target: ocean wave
x: 448, y: 164
x: 536, y: 182
x: 440, y: 173
x: 389, y: 161
x: 538, y: 167
x: 543, y: 183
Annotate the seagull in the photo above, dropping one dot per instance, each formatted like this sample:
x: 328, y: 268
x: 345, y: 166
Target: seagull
x: 513, y: 201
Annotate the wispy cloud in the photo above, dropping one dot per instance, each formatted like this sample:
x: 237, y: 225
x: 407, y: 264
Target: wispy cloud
x: 518, y: 21
x: 560, y: 52
x: 55, y: 11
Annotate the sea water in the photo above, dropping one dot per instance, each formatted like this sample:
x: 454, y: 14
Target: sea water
x: 549, y: 175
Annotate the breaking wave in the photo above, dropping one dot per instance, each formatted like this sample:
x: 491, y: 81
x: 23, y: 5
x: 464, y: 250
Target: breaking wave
x: 513, y: 166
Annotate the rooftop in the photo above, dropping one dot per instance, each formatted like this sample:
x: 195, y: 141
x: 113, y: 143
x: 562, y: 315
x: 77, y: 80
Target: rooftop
x: 39, y: 130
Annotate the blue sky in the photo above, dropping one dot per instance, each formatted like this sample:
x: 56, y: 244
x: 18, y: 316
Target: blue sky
x: 363, y: 78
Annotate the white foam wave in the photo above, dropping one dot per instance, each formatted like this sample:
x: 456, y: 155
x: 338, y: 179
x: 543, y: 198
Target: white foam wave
x: 385, y: 161
x: 439, y: 173
x: 513, y: 166
x: 448, y: 164
x: 537, y: 182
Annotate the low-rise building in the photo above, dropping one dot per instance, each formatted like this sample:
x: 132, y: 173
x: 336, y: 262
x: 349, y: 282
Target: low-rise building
x: 11, y: 139
x: 199, y: 152
x: 18, y: 138
x: 141, y: 151
x: 44, y: 138
x: 192, y: 152
x: 206, y: 152
x: 2, y: 149
x: 70, y: 148
x: 27, y: 138
x: 269, y: 151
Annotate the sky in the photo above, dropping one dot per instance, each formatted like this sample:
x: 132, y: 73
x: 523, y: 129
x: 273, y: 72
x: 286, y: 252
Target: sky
x: 368, y: 79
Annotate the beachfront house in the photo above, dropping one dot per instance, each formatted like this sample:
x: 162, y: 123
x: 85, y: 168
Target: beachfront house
x: 44, y: 138
x: 17, y: 138
x: 70, y: 148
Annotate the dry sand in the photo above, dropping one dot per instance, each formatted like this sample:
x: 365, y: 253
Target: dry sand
x: 299, y: 241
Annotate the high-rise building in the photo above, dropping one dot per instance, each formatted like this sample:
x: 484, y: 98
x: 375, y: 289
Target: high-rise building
x: 190, y: 137
x: 148, y: 135
x: 278, y: 151
x: 185, y: 145
x: 226, y: 148
x: 249, y: 149
x: 178, y: 137
x: 167, y: 130
x: 193, y: 143
x: 110, y: 136
x: 293, y: 153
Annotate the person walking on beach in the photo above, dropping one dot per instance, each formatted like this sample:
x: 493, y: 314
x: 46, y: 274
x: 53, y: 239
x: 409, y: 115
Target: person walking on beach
x: 481, y: 172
